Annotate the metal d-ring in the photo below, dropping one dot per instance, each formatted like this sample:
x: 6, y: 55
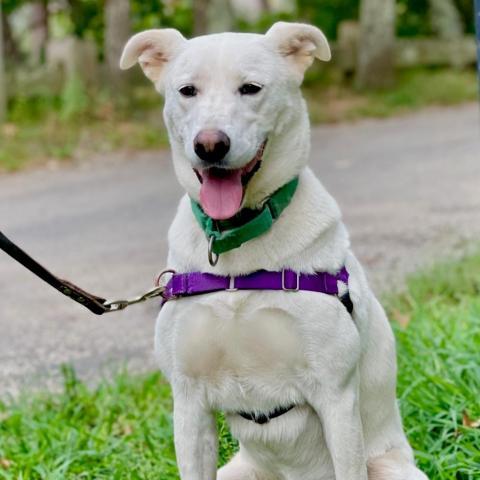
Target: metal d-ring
x: 161, y: 274
x: 212, y: 257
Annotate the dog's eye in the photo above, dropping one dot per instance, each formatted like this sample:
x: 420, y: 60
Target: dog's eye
x: 188, y: 91
x: 249, y: 89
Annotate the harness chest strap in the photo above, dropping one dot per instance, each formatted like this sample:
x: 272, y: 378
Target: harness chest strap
x: 196, y: 283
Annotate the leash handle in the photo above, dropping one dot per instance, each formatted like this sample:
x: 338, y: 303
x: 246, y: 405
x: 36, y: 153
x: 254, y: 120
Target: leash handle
x: 95, y: 304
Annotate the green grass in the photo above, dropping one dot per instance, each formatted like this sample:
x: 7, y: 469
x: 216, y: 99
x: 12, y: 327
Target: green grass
x: 77, y: 123
x: 123, y: 428
x: 120, y: 430
x: 439, y: 365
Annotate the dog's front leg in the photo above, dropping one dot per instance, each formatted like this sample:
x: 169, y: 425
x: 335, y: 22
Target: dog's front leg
x: 196, y: 442
x: 339, y: 411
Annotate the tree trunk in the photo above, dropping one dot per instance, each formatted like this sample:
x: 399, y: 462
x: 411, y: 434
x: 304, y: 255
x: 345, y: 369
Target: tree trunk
x: 200, y: 17
x: 39, y: 31
x: 220, y: 16
x: 445, y: 18
x: 477, y: 25
x: 212, y: 16
x: 117, y: 32
x: 3, y: 92
x: 375, y: 62
x: 10, y: 46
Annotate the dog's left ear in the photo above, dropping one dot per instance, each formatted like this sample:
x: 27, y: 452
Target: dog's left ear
x: 300, y: 44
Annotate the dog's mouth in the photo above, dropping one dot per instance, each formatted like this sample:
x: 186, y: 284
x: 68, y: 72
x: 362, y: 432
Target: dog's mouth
x: 222, y: 190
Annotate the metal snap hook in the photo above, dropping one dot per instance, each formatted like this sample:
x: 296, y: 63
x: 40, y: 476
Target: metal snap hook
x: 212, y: 257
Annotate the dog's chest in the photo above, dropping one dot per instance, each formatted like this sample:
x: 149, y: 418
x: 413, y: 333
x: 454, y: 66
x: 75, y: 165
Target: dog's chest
x: 232, y: 339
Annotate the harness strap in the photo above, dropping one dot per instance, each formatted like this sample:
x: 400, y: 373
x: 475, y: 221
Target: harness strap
x: 262, y: 418
x: 92, y: 302
x: 197, y: 283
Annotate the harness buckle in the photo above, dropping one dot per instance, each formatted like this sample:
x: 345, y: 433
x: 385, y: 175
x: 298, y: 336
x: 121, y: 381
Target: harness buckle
x: 231, y: 284
x: 297, y: 281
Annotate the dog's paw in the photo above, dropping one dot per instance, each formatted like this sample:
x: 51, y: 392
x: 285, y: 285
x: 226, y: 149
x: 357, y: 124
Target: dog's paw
x: 394, y: 465
x: 240, y: 469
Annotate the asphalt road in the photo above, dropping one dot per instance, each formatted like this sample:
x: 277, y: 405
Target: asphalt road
x: 409, y: 188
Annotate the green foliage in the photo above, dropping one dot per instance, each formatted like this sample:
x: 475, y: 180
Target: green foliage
x: 86, y: 18
x: 74, y: 99
x: 412, y: 18
x: 327, y: 14
x: 8, y: 6
x: 264, y: 22
x: 336, y: 100
x: 154, y: 14
x: 123, y: 428
x: 44, y: 127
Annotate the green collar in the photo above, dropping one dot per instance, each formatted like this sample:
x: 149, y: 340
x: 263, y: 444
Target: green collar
x: 247, y: 224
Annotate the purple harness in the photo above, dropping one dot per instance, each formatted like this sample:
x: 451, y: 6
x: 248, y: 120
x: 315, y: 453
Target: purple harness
x: 196, y: 283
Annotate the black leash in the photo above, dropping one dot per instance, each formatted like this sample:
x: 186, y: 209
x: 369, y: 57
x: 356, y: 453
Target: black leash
x: 95, y: 304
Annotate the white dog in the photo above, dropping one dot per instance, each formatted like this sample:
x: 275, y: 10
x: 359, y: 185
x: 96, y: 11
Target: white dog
x: 318, y: 381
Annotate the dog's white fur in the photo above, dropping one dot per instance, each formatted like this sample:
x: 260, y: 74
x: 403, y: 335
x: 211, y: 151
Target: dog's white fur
x: 255, y: 351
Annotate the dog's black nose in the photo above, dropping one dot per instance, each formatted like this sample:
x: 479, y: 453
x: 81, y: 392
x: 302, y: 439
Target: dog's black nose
x: 211, y: 146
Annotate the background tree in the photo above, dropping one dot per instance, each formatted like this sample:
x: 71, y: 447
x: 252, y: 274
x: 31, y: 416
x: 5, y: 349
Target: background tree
x: 200, y: 17
x: 3, y: 95
x: 117, y: 32
x: 375, y: 62
x: 445, y: 19
x: 221, y: 16
x: 10, y: 45
x: 39, y: 30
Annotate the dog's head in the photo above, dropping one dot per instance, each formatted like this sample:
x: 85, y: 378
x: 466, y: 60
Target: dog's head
x: 233, y: 108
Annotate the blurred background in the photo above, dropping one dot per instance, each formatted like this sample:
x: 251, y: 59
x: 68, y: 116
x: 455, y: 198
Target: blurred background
x: 63, y: 97
x: 88, y: 189
x: 87, y: 186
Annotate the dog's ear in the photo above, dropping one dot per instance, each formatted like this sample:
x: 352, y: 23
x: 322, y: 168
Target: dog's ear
x: 300, y: 44
x: 152, y: 49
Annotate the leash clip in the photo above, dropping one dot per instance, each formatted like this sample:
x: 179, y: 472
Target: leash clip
x: 157, y: 291
x: 116, y: 305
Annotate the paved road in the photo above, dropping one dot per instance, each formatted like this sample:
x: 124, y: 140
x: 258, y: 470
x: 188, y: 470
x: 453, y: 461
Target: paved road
x: 409, y: 188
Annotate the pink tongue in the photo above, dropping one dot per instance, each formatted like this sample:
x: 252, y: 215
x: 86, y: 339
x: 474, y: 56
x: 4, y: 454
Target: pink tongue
x: 221, y: 197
